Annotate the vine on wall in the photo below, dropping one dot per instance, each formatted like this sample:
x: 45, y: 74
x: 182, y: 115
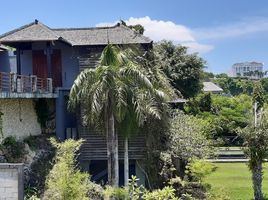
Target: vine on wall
x: 42, y: 112
x: 1, y: 125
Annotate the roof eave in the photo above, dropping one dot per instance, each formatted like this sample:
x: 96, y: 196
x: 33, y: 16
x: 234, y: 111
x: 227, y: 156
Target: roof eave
x: 104, y: 44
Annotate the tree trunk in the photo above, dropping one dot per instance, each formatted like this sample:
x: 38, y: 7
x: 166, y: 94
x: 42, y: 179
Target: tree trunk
x: 116, y: 160
x: 109, y: 150
x: 112, y: 152
x: 126, y: 164
x: 257, y: 181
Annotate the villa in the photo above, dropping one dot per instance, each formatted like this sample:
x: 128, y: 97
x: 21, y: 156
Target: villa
x: 42, y: 63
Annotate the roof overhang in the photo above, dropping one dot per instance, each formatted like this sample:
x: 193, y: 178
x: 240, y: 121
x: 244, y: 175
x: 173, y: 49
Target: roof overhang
x: 3, y: 48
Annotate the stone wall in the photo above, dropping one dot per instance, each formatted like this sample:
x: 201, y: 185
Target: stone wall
x: 19, y: 118
x: 11, y: 181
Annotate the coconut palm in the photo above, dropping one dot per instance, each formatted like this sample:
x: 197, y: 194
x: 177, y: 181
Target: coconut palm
x: 108, y: 93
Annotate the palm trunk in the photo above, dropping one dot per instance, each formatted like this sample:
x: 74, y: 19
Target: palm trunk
x: 126, y: 164
x: 116, y: 160
x: 112, y: 152
x: 257, y: 181
x: 109, y: 150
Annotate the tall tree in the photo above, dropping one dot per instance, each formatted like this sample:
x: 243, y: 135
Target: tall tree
x: 256, y: 137
x: 184, y: 70
x: 106, y: 95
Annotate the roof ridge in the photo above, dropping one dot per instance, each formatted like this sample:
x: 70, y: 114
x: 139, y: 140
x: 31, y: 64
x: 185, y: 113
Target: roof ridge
x: 84, y: 28
x: 136, y: 32
x: 18, y: 29
x: 48, y: 28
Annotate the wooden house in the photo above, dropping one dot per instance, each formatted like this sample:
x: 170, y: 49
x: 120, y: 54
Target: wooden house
x: 47, y: 62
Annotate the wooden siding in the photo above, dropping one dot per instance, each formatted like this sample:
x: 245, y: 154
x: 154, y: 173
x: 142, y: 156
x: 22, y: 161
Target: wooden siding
x: 89, y: 58
x: 94, y: 147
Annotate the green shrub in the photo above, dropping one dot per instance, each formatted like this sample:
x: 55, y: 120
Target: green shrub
x: 95, y: 191
x: 13, y: 149
x: 65, y: 181
x: 218, y: 195
x: 111, y: 193
x: 135, y: 191
x: 199, y: 169
x: 31, y: 141
x: 30, y: 193
x: 167, y: 193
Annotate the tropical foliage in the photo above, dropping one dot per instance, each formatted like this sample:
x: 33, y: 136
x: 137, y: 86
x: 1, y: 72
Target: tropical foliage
x: 115, y: 95
x: 184, y: 70
x: 223, y: 114
x: 188, y: 137
x: 65, y: 181
x: 256, y: 141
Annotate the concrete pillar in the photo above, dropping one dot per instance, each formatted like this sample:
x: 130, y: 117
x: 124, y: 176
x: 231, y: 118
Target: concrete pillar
x: 60, y: 116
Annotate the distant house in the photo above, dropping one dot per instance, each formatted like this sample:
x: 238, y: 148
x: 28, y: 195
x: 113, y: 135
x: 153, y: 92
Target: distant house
x: 47, y: 62
x: 212, y: 87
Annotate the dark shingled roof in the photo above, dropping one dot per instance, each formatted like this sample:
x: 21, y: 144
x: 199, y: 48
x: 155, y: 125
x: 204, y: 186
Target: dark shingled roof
x: 36, y: 31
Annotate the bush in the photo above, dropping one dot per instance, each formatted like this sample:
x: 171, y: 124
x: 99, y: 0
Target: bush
x: 167, y: 193
x: 95, y: 191
x: 111, y: 193
x: 218, y: 195
x: 65, y: 181
x: 31, y: 141
x: 13, y: 149
x: 200, y: 168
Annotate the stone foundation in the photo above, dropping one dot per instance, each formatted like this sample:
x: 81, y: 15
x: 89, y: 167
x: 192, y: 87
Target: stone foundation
x: 19, y: 118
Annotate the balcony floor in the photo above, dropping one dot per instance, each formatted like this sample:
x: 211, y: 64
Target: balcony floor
x: 26, y: 95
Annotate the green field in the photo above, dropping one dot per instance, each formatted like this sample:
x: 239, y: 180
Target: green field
x: 235, y: 180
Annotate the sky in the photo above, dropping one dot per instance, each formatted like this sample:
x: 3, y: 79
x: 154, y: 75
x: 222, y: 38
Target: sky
x: 222, y: 32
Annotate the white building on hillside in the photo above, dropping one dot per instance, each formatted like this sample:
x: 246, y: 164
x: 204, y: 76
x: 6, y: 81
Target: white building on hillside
x: 253, y: 70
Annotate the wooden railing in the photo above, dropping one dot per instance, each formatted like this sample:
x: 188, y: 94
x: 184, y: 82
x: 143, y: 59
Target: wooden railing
x: 12, y: 82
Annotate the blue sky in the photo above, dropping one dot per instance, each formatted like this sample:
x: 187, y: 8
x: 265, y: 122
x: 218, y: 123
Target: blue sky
x: 223, y: 32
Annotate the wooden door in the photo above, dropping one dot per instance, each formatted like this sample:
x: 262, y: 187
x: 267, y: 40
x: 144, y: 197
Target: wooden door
x: 40, y: 64
x: 56, y: 68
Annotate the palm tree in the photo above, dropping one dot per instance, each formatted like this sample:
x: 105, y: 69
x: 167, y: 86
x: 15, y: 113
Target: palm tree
x: 256, y: 140
x: 108, y: 93
x: 144, y: 102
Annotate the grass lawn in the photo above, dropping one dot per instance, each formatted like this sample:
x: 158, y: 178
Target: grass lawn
x: 235, y: 180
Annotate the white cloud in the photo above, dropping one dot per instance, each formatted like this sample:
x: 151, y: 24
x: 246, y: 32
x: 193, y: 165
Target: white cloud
x: 197, y: 47
x: 166, y: 30
x: 237, y: 29
x: 159, y: 30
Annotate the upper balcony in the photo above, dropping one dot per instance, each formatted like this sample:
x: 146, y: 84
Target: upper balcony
x: 13, y: 85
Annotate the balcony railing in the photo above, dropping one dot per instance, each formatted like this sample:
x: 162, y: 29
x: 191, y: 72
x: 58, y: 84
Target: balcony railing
x: 14, y: 83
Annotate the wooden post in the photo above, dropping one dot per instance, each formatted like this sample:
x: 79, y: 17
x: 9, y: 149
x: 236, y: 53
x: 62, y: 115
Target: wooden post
x: 49, y: 64
x: 34, y: 83
x: 18, y: 52
x: 13, y: 82
x: 49, y: 85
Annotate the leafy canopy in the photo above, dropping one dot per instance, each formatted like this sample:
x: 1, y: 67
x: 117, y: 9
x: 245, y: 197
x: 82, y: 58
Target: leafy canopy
x: 184, y: 70
x: 113, y: 85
